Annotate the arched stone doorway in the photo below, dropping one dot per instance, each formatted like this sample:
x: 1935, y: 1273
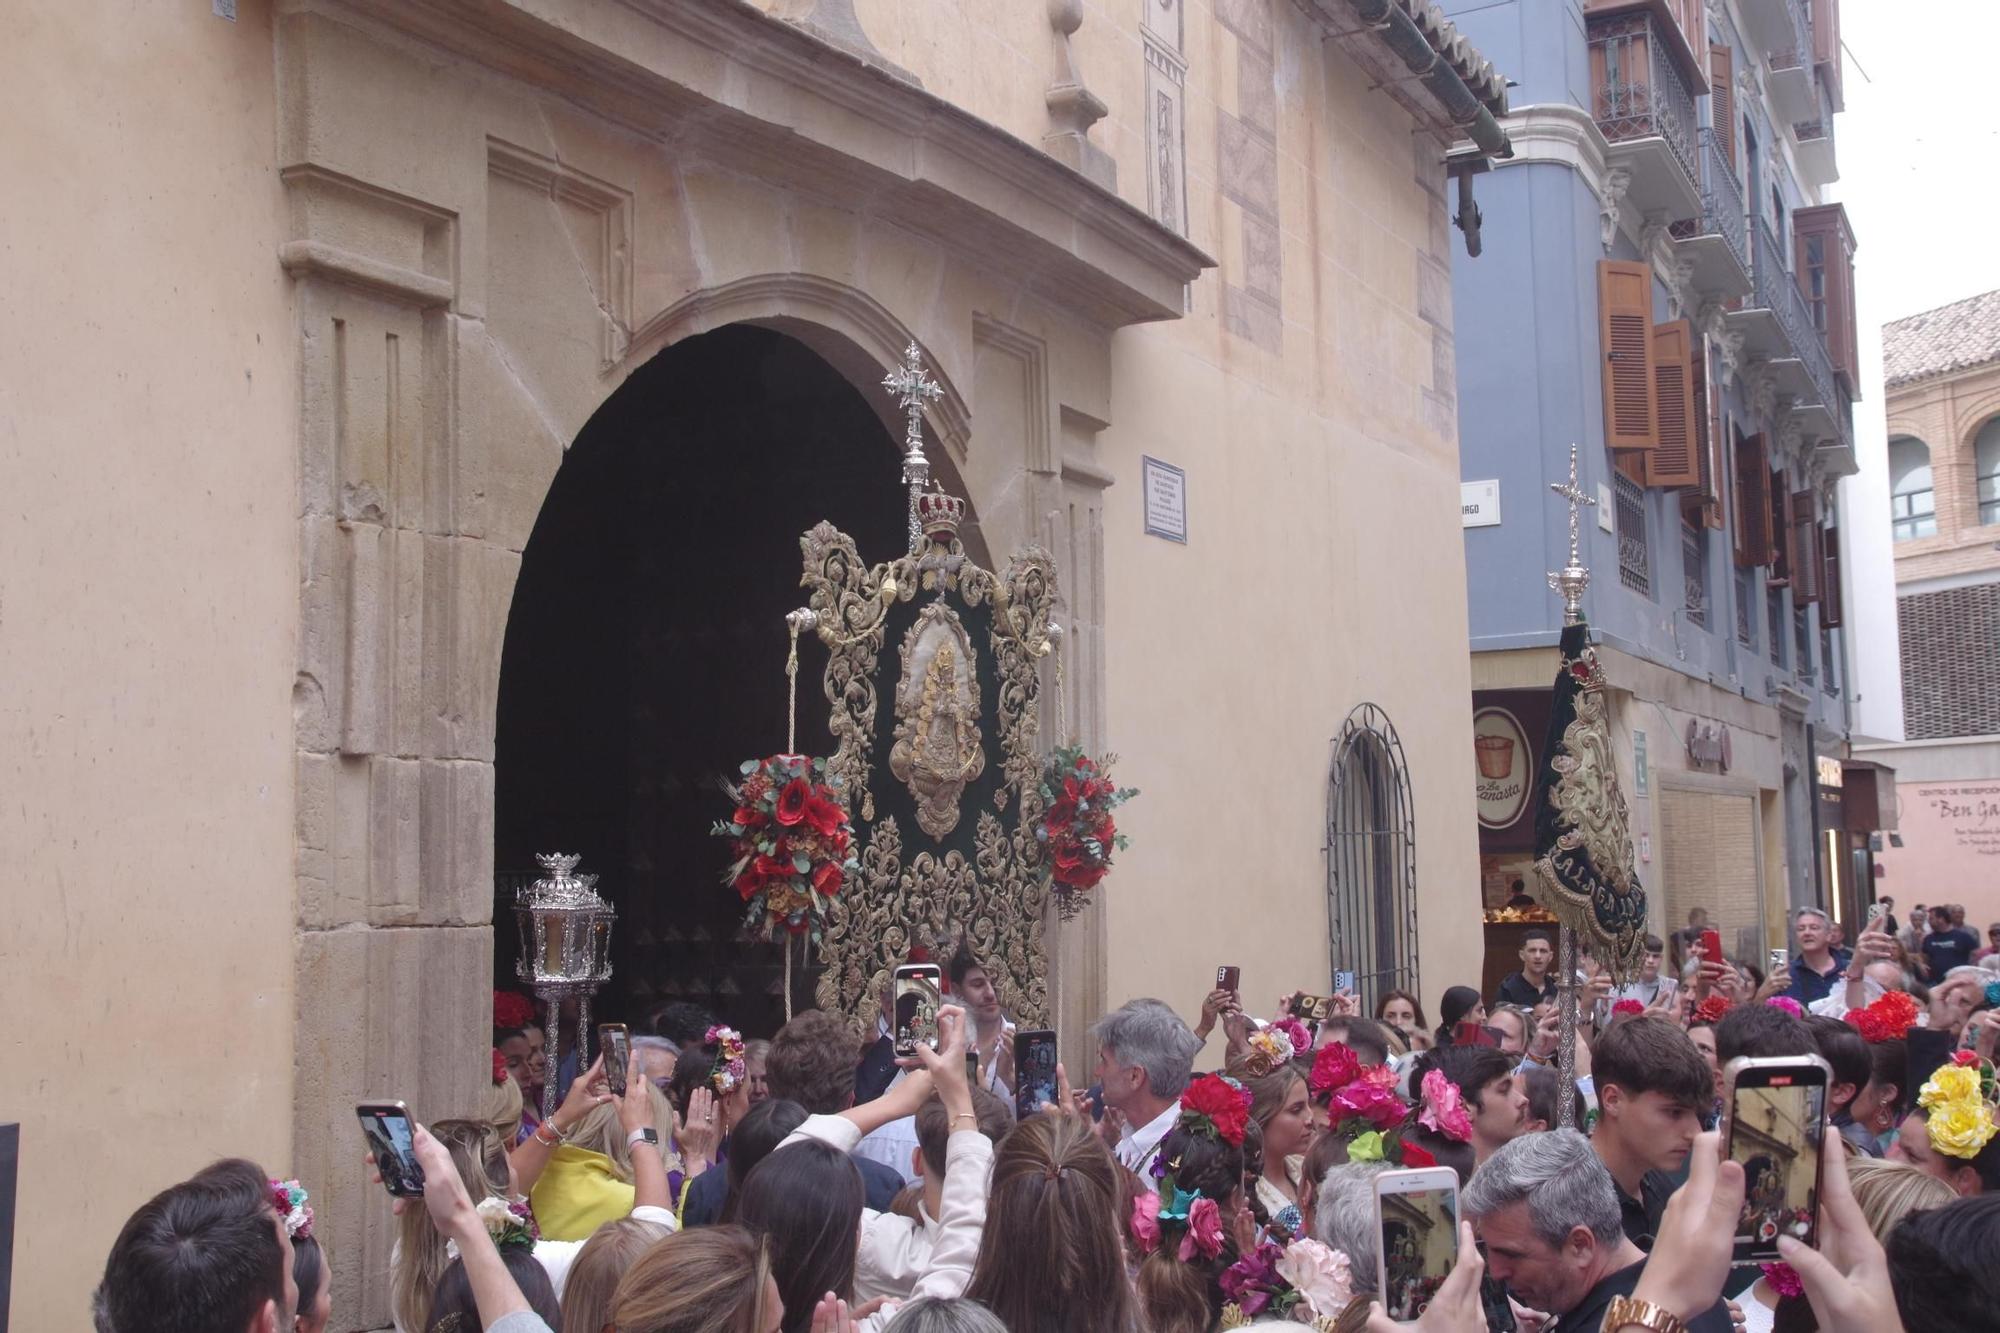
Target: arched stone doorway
x: 645, y: 646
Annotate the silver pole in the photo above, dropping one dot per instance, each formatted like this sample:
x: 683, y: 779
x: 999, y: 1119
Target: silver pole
x: 1566, y: 1035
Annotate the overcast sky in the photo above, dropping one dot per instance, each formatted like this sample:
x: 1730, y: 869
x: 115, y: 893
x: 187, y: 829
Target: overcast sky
x: 1919, y: 151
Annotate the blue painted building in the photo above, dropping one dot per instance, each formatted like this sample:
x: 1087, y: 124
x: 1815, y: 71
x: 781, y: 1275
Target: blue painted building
x: 1662, y: 283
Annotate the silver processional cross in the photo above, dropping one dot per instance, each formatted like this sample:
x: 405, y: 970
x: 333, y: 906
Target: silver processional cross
x: 915, y: 390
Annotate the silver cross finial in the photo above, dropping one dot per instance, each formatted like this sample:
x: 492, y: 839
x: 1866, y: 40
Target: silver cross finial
x: 1572, y: 578
x: 915, y: 390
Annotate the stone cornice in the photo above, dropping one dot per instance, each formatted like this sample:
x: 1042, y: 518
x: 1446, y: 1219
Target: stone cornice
x: 720, y: 80
x: 1561, y: 133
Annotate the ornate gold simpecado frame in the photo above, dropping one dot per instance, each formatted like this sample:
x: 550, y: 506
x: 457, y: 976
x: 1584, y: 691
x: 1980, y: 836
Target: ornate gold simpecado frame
x: 954, y: 856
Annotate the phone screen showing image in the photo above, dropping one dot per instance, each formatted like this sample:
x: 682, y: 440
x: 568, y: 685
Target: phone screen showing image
x: 918, y: 993
x: 1419, y: 1240
x: 1777, y: 1121
x: 1034, y: 1071
x: 615, y: 1041
x: 386, y: 1126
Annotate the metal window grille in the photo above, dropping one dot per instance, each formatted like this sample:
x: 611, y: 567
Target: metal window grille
x: 1774, y: 608
x: 1828, y: 680
x: 1802, y: 638
x: 1746, y: 591
x: 1694, y: 573
x: 1371, y: 857
x: 1635, y: 565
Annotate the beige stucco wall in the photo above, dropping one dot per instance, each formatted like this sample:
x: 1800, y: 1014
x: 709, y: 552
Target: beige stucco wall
x: 147, y: 609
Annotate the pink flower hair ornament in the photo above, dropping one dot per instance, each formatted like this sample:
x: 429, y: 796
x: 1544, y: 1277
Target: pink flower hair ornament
x: 1443, y: 1111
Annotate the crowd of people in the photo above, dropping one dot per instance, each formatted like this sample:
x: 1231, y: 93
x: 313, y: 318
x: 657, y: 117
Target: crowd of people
x: 820, y: 1183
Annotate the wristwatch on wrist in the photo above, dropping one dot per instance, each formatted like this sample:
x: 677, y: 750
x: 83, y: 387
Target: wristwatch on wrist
x: 1631, y: 1312
x: 646, y: 1135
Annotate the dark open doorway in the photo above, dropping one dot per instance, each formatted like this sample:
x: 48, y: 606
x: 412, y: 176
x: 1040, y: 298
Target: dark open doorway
x: 645, y: 649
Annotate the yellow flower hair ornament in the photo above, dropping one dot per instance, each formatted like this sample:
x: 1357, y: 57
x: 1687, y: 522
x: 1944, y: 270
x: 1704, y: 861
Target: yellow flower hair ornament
x: 1958, y: 1101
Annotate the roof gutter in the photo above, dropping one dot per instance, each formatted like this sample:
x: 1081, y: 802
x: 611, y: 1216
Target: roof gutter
x: 1402, y: 35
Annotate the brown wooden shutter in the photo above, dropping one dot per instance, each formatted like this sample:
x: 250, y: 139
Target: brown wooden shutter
x: 1625, y: 331
x: 1753, y: 504
x: 1806, y: 555
x: 1676, y: 460
x: 1722, y: 98
x: 1831, y: 607
x: 1782, y: 558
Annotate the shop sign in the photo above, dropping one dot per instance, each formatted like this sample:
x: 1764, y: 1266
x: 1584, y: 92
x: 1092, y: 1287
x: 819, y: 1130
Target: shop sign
x: 1506, y: 767
x: 1708, y: 746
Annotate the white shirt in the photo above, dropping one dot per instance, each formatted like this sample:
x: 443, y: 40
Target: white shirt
x: 892, y: 1144
x: 902, y: 1258
x: 1138, y: 1147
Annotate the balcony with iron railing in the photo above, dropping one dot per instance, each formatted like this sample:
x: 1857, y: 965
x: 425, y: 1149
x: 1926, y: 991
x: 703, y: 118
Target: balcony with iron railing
x: 1694, y: 574
x: 1816, y: 159
x: 1642, y: 99
x: 1776, y: 25
x: 1635, y: 561
x: 1794, y: 89
x: 1778, y: 329
x: 1718, y: 241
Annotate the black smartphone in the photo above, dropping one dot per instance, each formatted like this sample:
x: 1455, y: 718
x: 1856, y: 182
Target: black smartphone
x: 1777, y: 1122
x: 1416, y: 1231
x: 614, y: 1041
x: 1315, y: 1007
x: 1229, y: 978
x: 972, y: 1069
x: 1034, y: 1071
x: 387, y: 1127
x: 918, y: 990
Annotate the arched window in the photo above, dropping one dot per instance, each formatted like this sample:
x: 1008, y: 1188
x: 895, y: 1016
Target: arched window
x: 1371, y: 858
x: 1912, y: 498
x: 1986, y: 467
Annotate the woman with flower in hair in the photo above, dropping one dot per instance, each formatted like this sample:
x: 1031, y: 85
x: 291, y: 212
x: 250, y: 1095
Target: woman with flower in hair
x: 1280, y: 1106
x: 710, y: 1093
x: 309, y: 1267
x: 1190, y: 1232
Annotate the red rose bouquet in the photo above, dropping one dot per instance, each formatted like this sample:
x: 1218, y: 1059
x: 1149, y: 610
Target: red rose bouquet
x: 1077, y: 831
x: 1223, y: 1105
x: 792, y: 844
x: 1888, y: 1019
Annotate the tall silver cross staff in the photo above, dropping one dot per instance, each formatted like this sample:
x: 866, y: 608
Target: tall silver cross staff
x: 915, y: 391
x: 1569, y: 581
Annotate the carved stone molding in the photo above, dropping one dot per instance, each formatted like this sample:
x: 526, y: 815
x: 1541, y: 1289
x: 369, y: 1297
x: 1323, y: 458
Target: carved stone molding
x: 834, y: 22
x: 1610, y: 204
x: 1073, y: 108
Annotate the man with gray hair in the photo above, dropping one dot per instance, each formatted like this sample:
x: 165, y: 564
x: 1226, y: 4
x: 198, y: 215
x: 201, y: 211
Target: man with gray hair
x: 1344, y: 1219
x: 1818, y: 965
x: 1547, y: 1212
x: 1145, y: 1054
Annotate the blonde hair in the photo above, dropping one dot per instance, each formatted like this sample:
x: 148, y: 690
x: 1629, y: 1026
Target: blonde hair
x: 599, y: 1267
x: 420, y: 1261
x: 601, y: 1132
x: 1890, y: 1191
x: 500, y: 1106
x: 714, y: 1280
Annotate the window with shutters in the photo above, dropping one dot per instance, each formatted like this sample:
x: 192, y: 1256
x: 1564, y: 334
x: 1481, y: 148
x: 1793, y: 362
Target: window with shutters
x: 1702, y: 504
x: 1625, y: 332
x: 1752, y: 504
x: 1986, y: 468
x: 1722, y: 100
x: 1831, y: 607
x: 1806, y: 555
x: 1912, y: 496
x: 1675, y: 459
x: 1824, y: 244
x: 1783, y: 558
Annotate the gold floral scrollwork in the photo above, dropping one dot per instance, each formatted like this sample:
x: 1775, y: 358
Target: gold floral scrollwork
x: 986, y: 890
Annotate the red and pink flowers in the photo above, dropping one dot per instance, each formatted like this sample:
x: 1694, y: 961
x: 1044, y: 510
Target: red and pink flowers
x: 793, y: 845
x: 1222, y: 1104
x: 1888, y: 1019
x: 1077, y: 831
x: 1443, y: 1111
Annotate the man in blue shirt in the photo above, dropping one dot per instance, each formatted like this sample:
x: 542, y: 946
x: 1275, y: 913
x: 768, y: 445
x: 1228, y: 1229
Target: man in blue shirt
x: 1948, y: 945
x: 1817, y: 968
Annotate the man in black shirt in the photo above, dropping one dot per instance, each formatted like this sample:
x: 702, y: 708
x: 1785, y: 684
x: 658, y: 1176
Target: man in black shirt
x: 1947, y: 946
x: 1548, y: 1213
x: 1653, y: 1084
x: 1533, y: 983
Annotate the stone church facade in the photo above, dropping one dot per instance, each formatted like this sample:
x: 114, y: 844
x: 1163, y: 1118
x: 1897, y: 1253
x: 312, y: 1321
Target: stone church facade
x: 315, y: 295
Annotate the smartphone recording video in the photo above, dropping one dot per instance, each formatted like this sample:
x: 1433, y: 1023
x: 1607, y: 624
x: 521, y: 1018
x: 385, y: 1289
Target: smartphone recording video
x: 1229, y: 978
x: 1343, y: 983
x: 1416, y: 1228
x: 1777, y: 1121
x: 1034, y: 1071
x: 918, y: 991
x: 1315, y: 1008
x: 386, y: 1126
x: 615, y: 1041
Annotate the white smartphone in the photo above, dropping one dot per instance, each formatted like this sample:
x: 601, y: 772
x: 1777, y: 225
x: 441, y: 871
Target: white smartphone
x: 1777, y: 1122
x: 1416, y: 1233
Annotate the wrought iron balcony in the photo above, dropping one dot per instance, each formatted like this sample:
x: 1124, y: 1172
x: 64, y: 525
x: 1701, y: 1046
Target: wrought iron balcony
x: 1694, y: 574
x: 1794, y: 90
x: 1776, y: 25
x: 1635, y: 562
x: 1815, y: 139
x: 1643, y: 102
x: 1718, y: 241
x: 1779, y: 327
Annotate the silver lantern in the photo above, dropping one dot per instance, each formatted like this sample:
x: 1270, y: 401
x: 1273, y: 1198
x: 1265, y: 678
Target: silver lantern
x: 565, y: 953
